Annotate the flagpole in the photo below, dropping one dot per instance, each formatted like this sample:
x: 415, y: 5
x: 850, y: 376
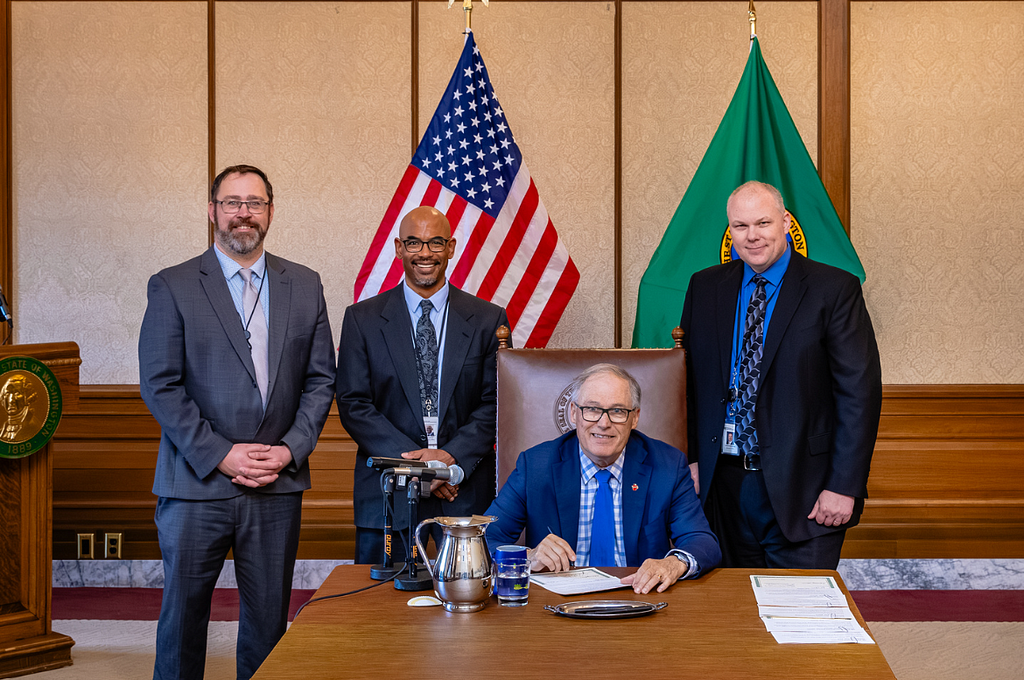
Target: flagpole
x: 751, y: 15
x: 467, y: 8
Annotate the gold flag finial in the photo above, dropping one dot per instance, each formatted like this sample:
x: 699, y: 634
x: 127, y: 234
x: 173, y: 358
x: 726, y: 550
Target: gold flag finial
x: 467, y: 7
x: 751, y: 14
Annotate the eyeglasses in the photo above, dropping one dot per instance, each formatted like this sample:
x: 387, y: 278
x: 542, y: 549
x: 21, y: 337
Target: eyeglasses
x: 255, y: 207
x: 593, y: 414
x: 436, y: 245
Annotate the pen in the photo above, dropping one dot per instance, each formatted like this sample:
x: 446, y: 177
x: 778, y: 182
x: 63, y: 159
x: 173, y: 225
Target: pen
x: 572, y: 565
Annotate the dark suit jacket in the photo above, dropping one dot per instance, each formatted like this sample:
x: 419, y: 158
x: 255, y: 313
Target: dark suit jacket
x: 820, y: 395
x: 379, y: 398
x: 542, y: 495
x: 197, y: 377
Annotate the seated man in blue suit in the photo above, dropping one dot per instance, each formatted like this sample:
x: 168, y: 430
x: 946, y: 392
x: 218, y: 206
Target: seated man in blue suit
x: 606, y: 495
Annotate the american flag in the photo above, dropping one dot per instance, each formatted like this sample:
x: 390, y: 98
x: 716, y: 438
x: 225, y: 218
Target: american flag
x: 468, y: 167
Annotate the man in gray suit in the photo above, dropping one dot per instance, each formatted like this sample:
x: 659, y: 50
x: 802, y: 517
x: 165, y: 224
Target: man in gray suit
x: 236, y: 364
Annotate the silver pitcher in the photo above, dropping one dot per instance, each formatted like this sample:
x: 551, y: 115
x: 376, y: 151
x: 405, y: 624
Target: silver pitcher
x: 462, y: 571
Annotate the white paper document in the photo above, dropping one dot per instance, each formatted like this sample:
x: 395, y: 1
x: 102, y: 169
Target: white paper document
x: 806, y: 609
x: 576, y: 581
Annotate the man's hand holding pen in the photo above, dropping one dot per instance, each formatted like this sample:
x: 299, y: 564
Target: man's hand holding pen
x: 552, y: 554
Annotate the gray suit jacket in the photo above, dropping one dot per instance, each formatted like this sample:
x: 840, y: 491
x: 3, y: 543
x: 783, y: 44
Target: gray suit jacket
x: 197, y: 377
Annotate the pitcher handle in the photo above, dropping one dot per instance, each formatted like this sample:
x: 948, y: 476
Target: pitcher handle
x: 419, y: 544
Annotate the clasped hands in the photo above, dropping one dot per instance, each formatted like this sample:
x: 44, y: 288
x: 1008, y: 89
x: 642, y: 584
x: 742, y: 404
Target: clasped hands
x: 554, y: 554
x: 255, y: 465
x: 438, y: 487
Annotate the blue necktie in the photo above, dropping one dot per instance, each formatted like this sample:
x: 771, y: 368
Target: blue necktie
x: 602, y: 526
x: 750, y: 369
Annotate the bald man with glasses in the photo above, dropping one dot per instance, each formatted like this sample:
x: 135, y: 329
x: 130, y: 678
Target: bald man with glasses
x: 605, y: 495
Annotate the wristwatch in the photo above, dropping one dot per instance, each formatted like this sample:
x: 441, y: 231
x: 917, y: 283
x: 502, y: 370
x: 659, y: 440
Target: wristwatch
x: 686, y: 558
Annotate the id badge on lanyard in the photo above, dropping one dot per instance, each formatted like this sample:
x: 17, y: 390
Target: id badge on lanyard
x: 430, y: 426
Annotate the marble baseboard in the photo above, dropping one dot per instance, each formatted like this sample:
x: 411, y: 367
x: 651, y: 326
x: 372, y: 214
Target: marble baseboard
x: 309, y: 574
x: 952, y: 574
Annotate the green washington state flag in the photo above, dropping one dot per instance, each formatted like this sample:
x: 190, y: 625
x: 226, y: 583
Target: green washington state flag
x: 756, y: 140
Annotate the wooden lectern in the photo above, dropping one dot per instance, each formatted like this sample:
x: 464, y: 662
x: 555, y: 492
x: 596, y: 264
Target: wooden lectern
x: 27, y: 644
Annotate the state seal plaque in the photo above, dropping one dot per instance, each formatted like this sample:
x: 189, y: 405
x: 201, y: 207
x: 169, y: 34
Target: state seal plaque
x: 30, y: 406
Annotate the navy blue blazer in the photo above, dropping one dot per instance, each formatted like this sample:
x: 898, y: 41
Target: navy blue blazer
x: 659, y: 504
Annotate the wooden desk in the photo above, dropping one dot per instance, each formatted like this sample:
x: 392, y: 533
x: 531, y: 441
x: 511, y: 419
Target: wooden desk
x: 710, y: 629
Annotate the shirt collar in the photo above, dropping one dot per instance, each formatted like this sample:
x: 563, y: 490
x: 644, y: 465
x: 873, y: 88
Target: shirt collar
x: 413, y: 299
x: 774, y: 273
x: 230, y: 267
x: 588, y: 469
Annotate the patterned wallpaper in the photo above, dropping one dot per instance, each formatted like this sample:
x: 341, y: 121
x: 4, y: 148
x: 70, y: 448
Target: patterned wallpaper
x: 110, y: 132
x: 109, y: 168
x: 317, y: 95
x: 938, y: 186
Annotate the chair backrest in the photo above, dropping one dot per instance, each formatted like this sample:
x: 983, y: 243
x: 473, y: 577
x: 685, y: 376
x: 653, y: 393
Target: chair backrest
x: 533, y: 399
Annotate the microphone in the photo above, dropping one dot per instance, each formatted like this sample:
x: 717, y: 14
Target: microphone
x: 382, y: 463
x: 5, y: 310
x: 434, y: 469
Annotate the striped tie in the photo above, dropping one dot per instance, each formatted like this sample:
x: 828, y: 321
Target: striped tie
x: 750, y: 369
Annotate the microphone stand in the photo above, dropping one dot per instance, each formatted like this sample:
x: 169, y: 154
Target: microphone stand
x: 415, y: 579
x: 388, y: 568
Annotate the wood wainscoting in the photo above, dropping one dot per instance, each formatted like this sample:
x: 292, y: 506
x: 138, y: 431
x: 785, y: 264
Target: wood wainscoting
x: 947, y: 478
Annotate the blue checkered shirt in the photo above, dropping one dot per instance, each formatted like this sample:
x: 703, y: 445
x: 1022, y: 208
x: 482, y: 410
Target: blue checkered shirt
x: 588, y: 489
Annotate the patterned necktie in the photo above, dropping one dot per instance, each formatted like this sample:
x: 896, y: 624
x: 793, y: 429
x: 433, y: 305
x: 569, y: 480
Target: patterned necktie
x: 256, y: 331
x: 426, y: 363
x: 602, y: 526
x: 750, y: 369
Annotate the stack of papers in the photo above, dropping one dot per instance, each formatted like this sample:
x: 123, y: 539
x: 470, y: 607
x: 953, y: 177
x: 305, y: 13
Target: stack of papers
x: 802, y: 609
x: 577, y: 581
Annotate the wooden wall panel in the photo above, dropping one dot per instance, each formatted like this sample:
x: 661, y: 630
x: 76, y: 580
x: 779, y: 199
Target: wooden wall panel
x: 947, y: 479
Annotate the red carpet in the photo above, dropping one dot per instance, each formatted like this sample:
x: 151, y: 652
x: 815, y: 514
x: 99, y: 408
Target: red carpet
x: 940, y: 605
x: 143, y: 604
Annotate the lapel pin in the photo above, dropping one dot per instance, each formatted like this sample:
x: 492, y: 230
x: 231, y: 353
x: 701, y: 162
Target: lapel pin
x: 635, y: 487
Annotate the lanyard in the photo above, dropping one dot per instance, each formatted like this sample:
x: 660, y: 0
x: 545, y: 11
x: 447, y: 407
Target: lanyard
x: 248, y: 321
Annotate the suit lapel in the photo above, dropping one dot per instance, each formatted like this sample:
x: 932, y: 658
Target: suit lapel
x: 456, y: 346
x: 635, y: 472
x: 397, y: 332
x: 216, y: 288
x: 280, y: 302
x: 725, y: 317
x: 566, y: 475
x: 792, y: 291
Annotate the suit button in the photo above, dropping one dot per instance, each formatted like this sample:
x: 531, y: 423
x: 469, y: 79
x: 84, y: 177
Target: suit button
x: 714, y: 439
x: 255, y: 385
x: 423, y: 439
x: 723, y: 400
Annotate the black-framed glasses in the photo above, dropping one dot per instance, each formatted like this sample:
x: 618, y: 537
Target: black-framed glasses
x: 592, y: 414
x: 436, y: 245
x: 232, y: 206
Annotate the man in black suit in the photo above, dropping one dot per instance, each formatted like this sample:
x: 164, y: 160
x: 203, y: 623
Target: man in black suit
x: 236, y: 364
x: 420, y: 388
x: 785, y: 394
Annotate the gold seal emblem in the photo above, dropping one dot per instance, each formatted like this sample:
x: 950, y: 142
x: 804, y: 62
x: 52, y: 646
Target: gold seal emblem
x: 562, y: 421
x: 796, y: 235
x: 30, y: 406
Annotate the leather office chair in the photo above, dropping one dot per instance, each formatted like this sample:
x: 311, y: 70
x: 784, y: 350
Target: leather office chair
x: 533, y: 399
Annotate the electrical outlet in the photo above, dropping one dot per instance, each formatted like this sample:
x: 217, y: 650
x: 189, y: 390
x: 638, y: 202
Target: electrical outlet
x: 85, y: 546
x: 113, y: 546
